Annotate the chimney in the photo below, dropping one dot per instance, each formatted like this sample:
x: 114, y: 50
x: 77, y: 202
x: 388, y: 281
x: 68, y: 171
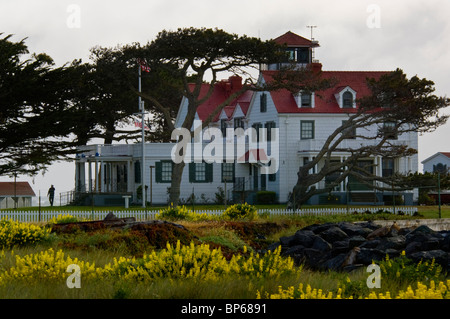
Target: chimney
x: 316, y: 67
x: 236, y: 83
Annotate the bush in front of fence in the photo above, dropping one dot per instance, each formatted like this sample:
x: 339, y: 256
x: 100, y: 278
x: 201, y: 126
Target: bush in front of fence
x: 240, y: 211
x: 14, y: 233
x: 183, y: 213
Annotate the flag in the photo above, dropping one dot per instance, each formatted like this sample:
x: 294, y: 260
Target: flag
x: 144, y: 66
x: 139, y: 124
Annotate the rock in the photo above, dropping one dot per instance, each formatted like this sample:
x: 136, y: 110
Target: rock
x: 313, y: 257
x: 321, y: 244
x: 412, y: 247
x: 334, y: 263
x: 356, y: 241
x: 354, y: 229
x: 273, y: 246
x: 345, y: 246
x: 397, y: 242
x: 370, y: 243
x: 333, y: 234
x: 286, y: 240
x: 318, y: 228
x: 440, y: 256
x: 380, y: 232
x: 367, y: 255
x: 350, y: 258
x: 340, y: 247
x: 303, y: 237
x: 294, y: 250
x: 110, y: 216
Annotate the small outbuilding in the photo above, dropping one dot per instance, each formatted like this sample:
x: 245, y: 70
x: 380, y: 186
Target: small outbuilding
x: 15, y: 194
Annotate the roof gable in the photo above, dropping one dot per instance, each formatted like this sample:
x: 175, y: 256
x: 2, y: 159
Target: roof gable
x: 291, y: 39
x: 222, y: 91
x: 16, y: 189
x: 325, y: 101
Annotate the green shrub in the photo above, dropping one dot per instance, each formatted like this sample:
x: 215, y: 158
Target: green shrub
x: 240, y: 211
x: 174, y: 213
x: 266, y: 197
x: 404, y: 271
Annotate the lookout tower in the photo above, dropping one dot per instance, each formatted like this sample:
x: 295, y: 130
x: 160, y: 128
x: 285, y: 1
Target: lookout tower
x: 299, y: 51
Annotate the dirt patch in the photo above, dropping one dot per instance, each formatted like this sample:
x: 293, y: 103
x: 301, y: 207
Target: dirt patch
x: 254, y: 233
x: 158, y: 235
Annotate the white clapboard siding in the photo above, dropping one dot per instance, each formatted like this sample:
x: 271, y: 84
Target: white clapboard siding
x: 44, y: 216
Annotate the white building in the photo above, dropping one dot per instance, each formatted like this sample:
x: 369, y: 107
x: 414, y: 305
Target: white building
x: 439, y: 162
x: 15, y: 195
x: 303, y: 123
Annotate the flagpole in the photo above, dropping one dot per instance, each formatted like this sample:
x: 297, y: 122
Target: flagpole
x: 141, y: 109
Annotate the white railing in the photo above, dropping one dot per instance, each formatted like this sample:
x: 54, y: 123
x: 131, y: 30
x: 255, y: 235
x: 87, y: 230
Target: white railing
x: 44, y: 216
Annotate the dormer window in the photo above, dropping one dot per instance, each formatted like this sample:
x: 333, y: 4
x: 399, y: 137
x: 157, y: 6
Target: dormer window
x: 305, y: 99
x: 346, y: 98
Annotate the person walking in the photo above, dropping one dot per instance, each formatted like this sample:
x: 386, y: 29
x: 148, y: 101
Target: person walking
x: 51, y: 194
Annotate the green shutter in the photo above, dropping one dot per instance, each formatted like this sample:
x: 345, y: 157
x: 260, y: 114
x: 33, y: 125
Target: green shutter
x: 209, y: 172
x: 137, y: 172
x: 191, y: 172
x: 158, y: 172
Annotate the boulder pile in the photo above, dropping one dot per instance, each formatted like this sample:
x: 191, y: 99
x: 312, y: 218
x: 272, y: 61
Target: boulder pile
x: 345, y: 246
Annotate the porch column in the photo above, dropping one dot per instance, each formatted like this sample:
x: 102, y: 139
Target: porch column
x: 341, y: 184
x: 81, y: 177
x: 96, y: 176
x: 90, y: 176
x: 102, y: 176
x: 129, y: 177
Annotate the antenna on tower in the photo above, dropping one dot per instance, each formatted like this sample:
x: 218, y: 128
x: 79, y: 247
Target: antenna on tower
x: 312, y: 40
x: 311, y: 27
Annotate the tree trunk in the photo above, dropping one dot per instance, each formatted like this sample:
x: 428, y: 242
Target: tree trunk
x: 174, y: 193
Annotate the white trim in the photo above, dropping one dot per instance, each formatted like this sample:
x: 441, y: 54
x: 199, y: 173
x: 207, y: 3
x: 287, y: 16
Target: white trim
x: 340, y: 95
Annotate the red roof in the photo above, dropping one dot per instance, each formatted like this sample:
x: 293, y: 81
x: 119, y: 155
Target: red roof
x: 446, y: 154
x: 294, y: 40
x: 21, y: 189
x: 222, y: 90
x: 325, y: 101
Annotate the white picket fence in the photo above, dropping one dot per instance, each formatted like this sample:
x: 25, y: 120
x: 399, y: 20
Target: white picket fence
x: 44, y: 216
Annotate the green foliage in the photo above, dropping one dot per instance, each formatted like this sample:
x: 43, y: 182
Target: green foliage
x: 240, y: 211
x: 404, y: 271
x: 174, y: 213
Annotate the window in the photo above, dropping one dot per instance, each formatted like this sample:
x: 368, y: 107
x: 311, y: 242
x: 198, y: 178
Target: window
x: 347, y: 100
x: 269, y: 127
x: 440, y: 168
x: 306, y: 130
x: 303, y: 55
x: 223, y: 127
x: 305, y: 162
x: 228, y: 172
x: 331, y: 179
x: 272, y: 177
x: 350, y: 132
x: 256, y: 126
x: 389, y: 130
x: 388, y: 167
x: 306, y: 99
x: 200, y: 172
x: 239, y: 122
x: 263, y: 103
x: 163, y: 171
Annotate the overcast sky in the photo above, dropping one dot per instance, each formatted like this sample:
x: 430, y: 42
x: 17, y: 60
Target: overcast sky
x: 354, y: 35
